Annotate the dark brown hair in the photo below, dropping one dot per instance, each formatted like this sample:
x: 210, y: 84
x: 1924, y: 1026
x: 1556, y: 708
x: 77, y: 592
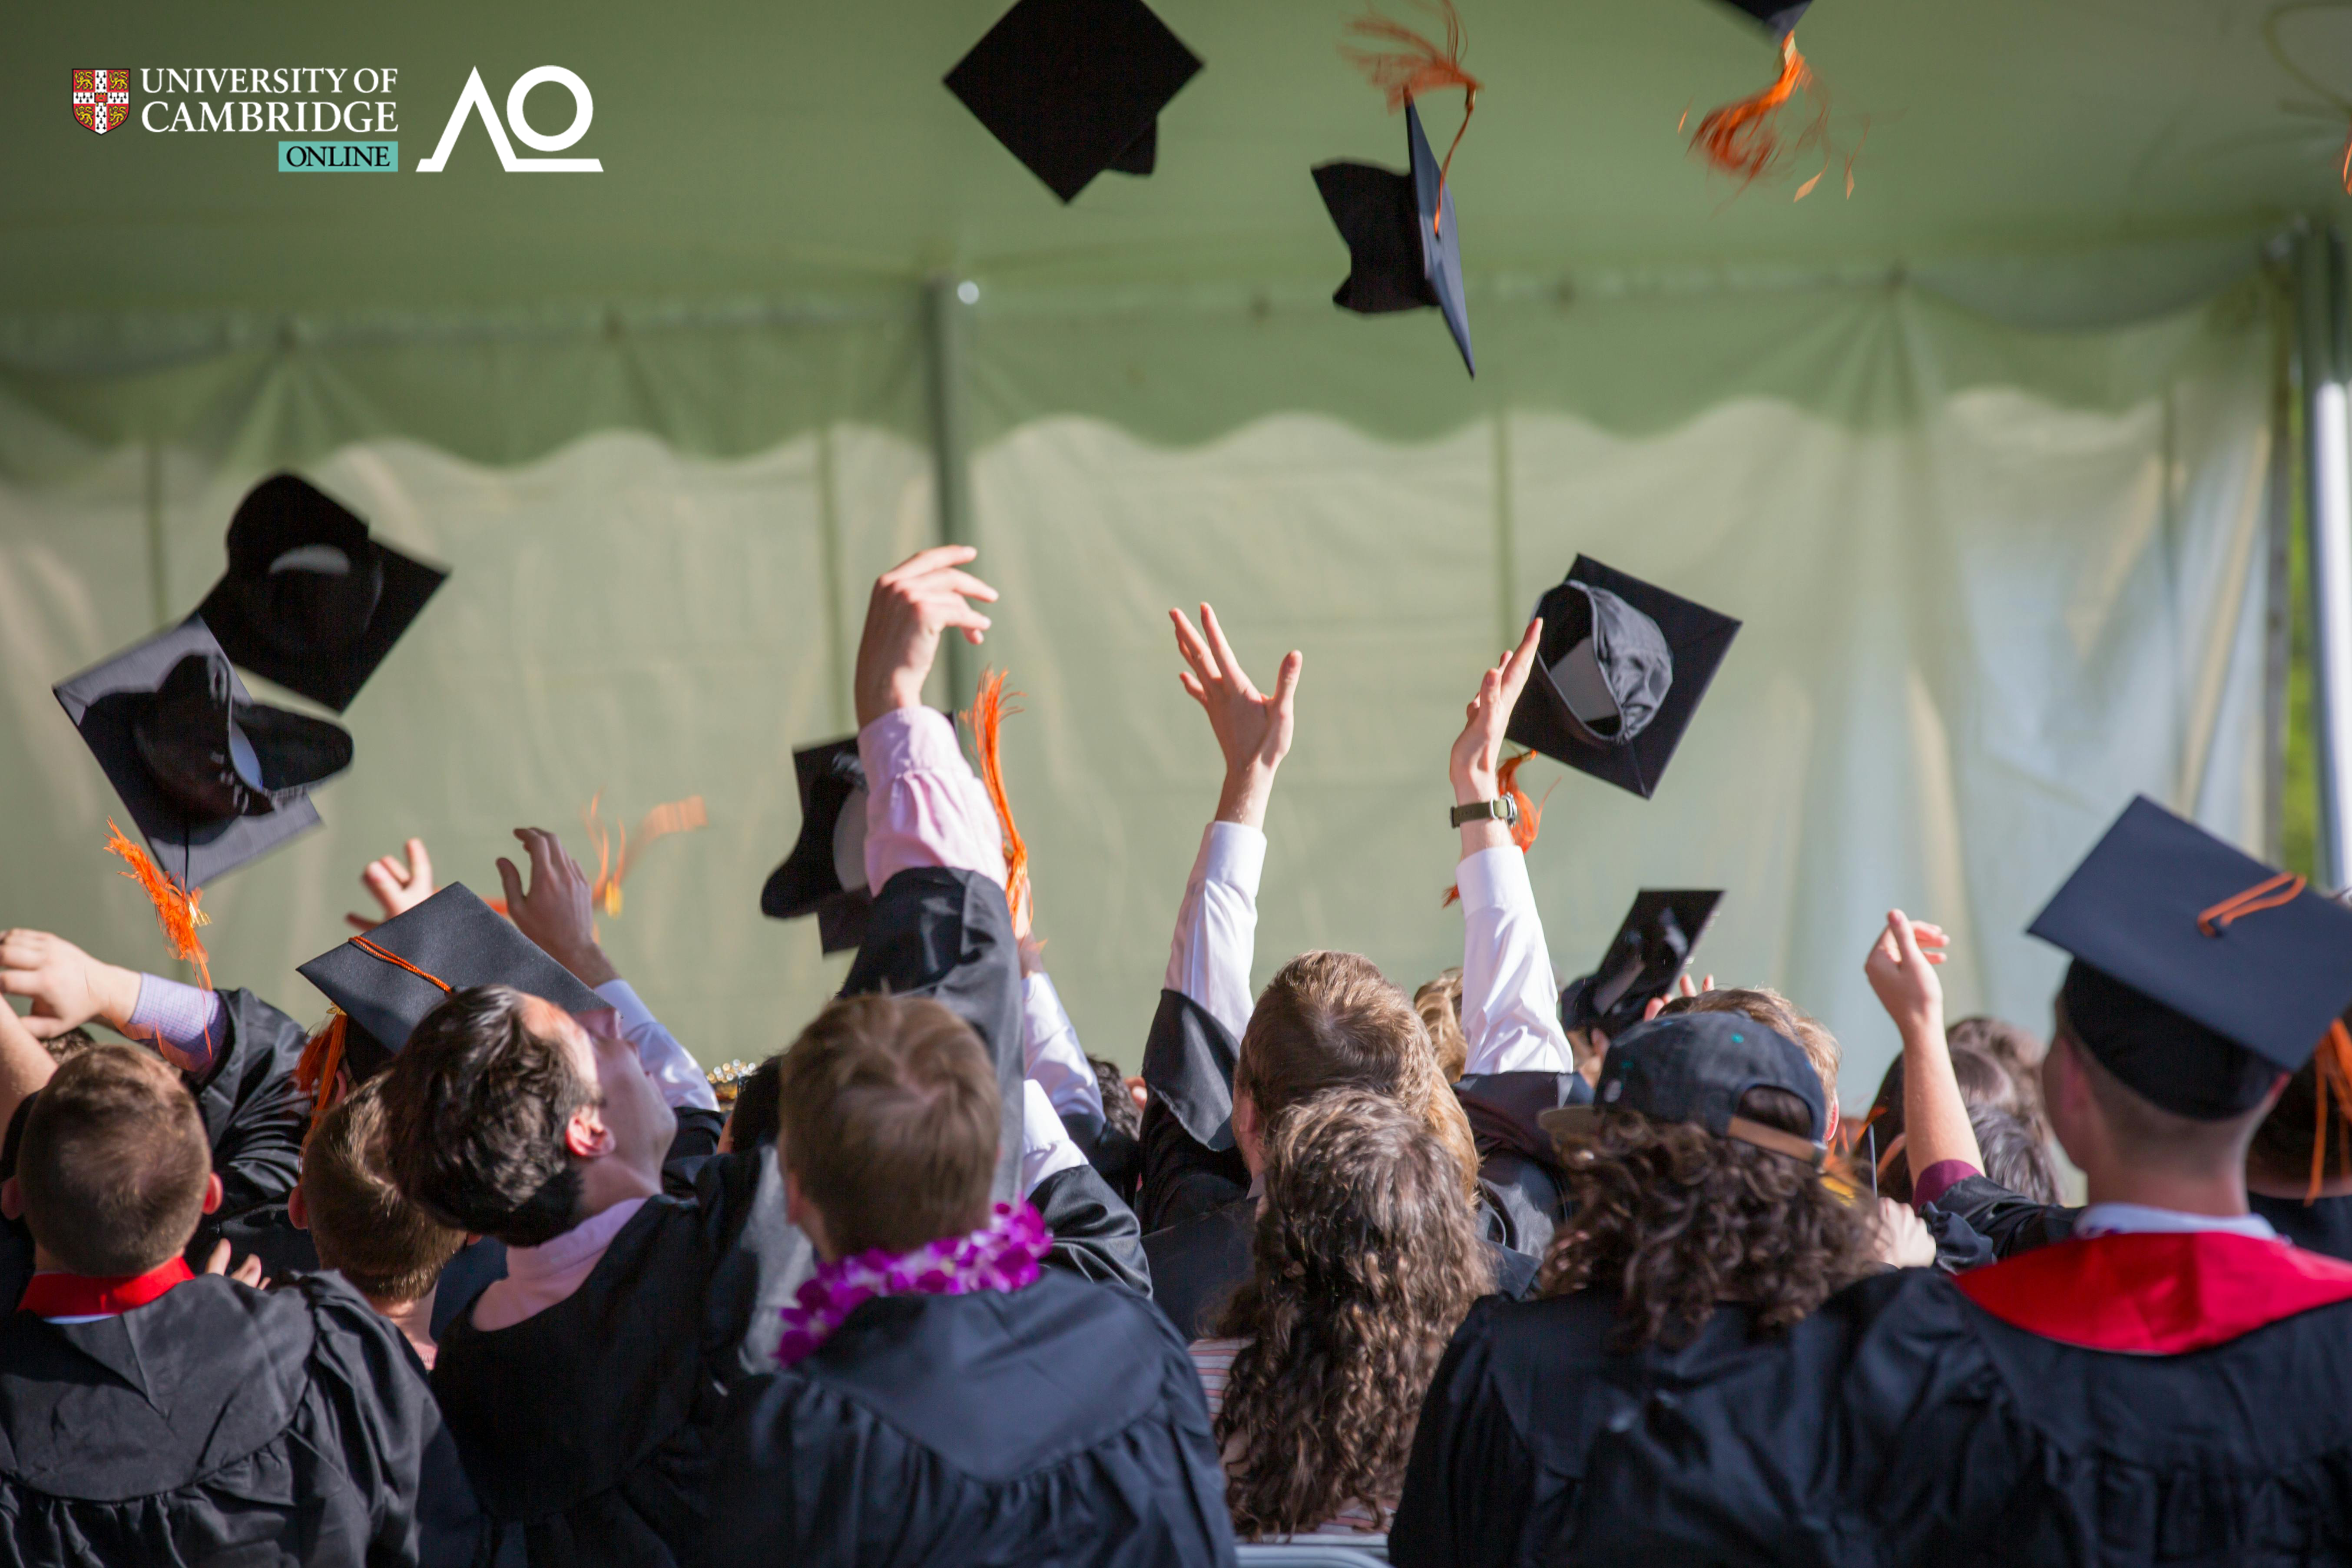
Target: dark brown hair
x: 1672, y: 1220
x: 391, y: 1250
x: 475, y: 1107
x: 1120, y: 1113
x: 1363, y: 1263
x: 889, y: 1122
x: 1439, y: 1002
x: 755, y: 1119
x: 1984, y: 1083
x: 2283, y: 1142
x: 1775, y: 1012
x: 1332, y: 1020
x: 2019, y: 1051
x: 113, y: 1163
x: 2014, y: 1156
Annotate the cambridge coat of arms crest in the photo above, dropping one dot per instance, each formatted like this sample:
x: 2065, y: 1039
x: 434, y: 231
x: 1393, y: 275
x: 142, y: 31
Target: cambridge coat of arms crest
x: 101, y: 98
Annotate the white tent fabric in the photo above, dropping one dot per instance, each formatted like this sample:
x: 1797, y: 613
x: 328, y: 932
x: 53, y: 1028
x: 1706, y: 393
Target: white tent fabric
x: 1994, y: 582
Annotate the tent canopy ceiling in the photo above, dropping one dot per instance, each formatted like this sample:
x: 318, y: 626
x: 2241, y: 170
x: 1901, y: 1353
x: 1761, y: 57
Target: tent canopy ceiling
x: 753, y: 148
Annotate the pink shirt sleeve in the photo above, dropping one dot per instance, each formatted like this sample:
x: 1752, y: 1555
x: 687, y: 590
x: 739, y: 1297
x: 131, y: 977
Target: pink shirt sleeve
x: 1941, y: 1178
x: 924, y: 805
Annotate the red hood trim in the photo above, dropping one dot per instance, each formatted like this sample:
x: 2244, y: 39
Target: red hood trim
x: 2156, y: 1294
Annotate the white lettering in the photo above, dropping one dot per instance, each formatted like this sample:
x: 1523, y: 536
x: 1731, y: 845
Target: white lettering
x: 476, y: 99
x: 149, y: 108
x: 356, y: 117
x: 279, y: 120
x: 334, y: 75
x: 363, y: 79
x: 386, y: 113
x: 583, y: 107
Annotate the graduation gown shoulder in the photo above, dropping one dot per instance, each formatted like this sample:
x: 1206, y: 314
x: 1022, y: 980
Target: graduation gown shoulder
x: 1189, y: 1164
x: 1060, y: 1424
x: 214, y: 1425
x: 255, y: 1115
x: 587, y: 1426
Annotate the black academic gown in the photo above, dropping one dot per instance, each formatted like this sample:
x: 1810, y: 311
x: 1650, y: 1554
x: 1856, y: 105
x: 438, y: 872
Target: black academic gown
x: 1519, y: 1165
x: 216, y: 1424
x: 1062, y: 1423
x: 1198, y: 1265
x: 2323, y: 1225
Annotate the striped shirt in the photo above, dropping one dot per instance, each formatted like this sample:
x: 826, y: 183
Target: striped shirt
x: 1213, y: 1360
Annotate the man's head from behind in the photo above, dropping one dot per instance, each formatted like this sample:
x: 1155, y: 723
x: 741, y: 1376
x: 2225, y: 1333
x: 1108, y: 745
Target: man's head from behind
x: 389, y: 1248
x: 503, y: 1116
x: 114, y: 1171
x: 1332, y: 1020
x: 889, y: 1126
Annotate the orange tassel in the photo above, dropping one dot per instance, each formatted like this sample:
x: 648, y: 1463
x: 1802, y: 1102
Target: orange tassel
x: 176, y: 908
x: 1417, y: 67
x: 986, y: 718
x: 1739, y: 139
x: 321, y: 1066
x: 612, y: 862
x: 2333, y: 1069
x: 2347, y: 171
x: 1530, y: 822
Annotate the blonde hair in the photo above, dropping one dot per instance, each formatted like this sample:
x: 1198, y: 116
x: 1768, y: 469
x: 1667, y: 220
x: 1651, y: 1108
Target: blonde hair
x: 1439, y: 1002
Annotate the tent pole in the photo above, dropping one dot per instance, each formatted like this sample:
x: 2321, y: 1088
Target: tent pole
x: 943, y: 308
x: 2327, y: 510
x: 2278, y: 579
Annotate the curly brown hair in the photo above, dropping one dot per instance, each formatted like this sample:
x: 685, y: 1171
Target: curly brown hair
x: 1364, y: 1263
x: 1673, y: 1220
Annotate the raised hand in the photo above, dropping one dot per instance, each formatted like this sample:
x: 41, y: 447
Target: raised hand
x: 1657, y: 1005
x: 1900, y: 969
x: 68, y: 986
x: 1253, y: 729
x: 557, y: 912
x: 398, y: 886
x: 912, y: 603
x: 1478, y: 750
x: 247, y: 1273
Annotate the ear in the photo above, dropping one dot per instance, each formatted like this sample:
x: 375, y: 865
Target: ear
x: 585, y: 1136
x: 297, y: 1212
x: 803, y: 1213
x: 1249, y: 1132
x: 213, y: 1193
x: 1831, y: 1136
x: 12, y: 1200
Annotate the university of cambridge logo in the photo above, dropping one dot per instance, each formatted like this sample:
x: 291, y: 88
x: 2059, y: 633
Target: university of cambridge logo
x: 101, y: 98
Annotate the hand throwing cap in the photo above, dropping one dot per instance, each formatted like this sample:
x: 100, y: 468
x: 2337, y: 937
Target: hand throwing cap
x: 1075, y: 87
x: 2200, y: 973
x: 1404, y: 250
x: 824, y: 875
x: 212, y: 778
x: 310, y: 600
x: 1646, y: 957
x: 1621, y: 671
x: 1695, y: 1067
x: 1778, y: 16
x: 387, y: 980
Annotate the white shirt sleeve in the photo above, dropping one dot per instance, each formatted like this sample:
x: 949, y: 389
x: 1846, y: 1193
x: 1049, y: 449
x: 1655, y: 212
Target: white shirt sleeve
x: 1511, y: 1003
x: 680, y: 1077
x: 1216, y: 925
x: 1051, y: 1055
x: 1045, y: 1145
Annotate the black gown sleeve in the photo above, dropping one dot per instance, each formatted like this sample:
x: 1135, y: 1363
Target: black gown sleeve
x: 948, y: 935
x: 2009, y: 1222
x: 1190, y: 1164
x: 697, y: 1135
x: 254, y: 1114
x: 1469, y: 1487
x: 1096, y: 1235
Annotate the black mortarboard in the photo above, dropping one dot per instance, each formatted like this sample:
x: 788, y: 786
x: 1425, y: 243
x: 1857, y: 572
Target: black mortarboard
x: 1621, y: 671
x: 2200, y: 972
x: 825, y: 873
x: 1642, y: 959
x: 1780, y: 17
x: 212, y: 778
x: 1075, y: 87
x: 310, y: 600
x: 458, y: 940
x: 1404, y: 249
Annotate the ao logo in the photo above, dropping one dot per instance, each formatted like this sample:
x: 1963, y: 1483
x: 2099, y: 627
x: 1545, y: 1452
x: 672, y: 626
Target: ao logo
x: 476, y: 99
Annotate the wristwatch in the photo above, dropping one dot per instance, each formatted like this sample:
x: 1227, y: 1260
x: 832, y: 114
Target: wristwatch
x: 1504, y: 810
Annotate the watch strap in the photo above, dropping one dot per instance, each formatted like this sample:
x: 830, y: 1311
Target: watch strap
x: 1503, y: 809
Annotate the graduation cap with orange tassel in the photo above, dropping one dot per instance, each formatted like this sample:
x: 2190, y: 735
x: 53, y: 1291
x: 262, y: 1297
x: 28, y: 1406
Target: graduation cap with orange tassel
x: 1743, y: 139
x: 211, y: 778
x: 1403, y: 245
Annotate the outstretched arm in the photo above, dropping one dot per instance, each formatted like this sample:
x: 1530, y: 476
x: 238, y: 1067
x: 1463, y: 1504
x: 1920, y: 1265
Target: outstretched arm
x: 1216, y: 925
x: 1900, y: 969
x: 1510, y: 1002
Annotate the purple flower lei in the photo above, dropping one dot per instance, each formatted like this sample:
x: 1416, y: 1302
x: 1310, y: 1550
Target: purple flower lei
x: 1001, y: 1255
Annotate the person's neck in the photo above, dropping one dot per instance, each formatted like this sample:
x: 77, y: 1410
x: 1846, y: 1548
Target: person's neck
x: 610, y: 1181
x: 415, y: 1321
x: 47, y: 1262
x: 2220, y: 1194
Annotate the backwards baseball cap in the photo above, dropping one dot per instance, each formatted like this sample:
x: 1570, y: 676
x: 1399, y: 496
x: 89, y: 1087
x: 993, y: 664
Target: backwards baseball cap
x: 2199, y: 974
x: 1695, y: 1067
